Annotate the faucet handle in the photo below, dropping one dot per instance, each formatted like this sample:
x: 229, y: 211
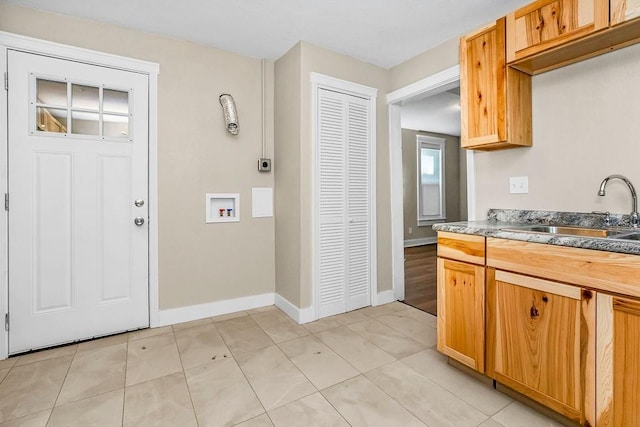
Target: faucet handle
x: 607, y: 216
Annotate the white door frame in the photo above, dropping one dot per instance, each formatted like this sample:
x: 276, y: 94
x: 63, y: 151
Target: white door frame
x: 321, y: 81
x: 10, y: 41
x: 431, y: 85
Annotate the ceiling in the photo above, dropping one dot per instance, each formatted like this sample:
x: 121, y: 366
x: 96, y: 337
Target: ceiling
x: 381, y: 32
x: 438, y: 113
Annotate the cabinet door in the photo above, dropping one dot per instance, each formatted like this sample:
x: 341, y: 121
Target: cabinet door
x: 545, y: 24
x: 618, y: 361
x: 482, y: 86
x: 495, y: 101
x: 624, y: 10
x: 461, y: 312
x: 542, y: 341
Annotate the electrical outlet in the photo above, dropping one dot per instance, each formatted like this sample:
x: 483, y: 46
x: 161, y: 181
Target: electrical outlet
x: 518, y: 184
x: 410, y: 230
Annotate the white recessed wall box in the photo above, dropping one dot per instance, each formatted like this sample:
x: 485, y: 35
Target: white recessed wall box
x: 222, y: 207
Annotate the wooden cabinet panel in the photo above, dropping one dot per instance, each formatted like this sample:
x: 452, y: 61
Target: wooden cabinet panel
x: 461, y: 312
x: 618, y: 361
x: 495, y: 101
x: 543, y: 341
x: 461, y: 247
x: 624, y: 10
x: 607, y: 271
x: 545, y: 24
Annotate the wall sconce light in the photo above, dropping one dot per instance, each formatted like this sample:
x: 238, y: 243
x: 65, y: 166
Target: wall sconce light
x: 230, y: 113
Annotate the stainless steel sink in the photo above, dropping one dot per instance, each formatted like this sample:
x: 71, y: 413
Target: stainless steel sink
x: 571, y: 231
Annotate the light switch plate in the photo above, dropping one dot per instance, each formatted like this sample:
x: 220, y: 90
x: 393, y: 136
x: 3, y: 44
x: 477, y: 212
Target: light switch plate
x: 518, y: 184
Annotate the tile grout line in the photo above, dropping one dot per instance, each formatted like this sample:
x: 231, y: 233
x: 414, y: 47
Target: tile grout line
x: 235, y: 360
x: 126, y: 369
x: 184, y: 375
x: 61, y: 384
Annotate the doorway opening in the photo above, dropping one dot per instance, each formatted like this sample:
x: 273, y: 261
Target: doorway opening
x: 434, y: 186
x: 432, y: 179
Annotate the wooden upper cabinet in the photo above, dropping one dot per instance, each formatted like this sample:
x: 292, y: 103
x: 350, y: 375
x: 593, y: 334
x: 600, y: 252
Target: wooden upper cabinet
x: 618, y: 361
x: 541, y: 341
x: 545, y: 24
x: 495, y: 101
x: 624, y: 10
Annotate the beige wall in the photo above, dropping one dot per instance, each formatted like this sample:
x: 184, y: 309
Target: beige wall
x: 453, y: 188
x: 585, y: 127
x: 199, y: 262
x: 424, y: 65
x: 287, y: 174
x: 315, y: 59
x: 298, y: 233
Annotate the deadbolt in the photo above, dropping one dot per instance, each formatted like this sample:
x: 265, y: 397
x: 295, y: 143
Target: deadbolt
x: 139, y: 203
x: 138, y: 221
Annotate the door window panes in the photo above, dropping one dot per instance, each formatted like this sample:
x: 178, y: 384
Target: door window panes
x: 115, y: 126
x: 85, y: 123
x: 85, y: 97
x: 80, y: 109
x: 51, y: 120
x: 431, y: 197
x: 51, y: 93
x: 116, y: 101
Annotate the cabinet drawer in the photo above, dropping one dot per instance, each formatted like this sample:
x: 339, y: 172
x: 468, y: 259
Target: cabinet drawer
x: 461, y: 247
x: 545, y: 24
x: 608, y: 271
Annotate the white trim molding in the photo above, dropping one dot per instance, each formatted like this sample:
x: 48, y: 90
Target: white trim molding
x: 321, y: 81
x: 385, y: 297
x: 9, y: 41
x: 432, y: 85
x: 300, y: 315
x: 420, y: 242
x: 194, y: 312
x: 442, y: 81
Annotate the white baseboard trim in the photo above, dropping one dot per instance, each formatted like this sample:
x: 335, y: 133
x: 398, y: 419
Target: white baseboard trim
x: 419, y: 242
x: 300, y: 315
x: 200, y: 311
x: 385, y: 297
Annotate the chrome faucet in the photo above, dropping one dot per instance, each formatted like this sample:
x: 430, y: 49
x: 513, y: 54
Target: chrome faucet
x: 635, y: 217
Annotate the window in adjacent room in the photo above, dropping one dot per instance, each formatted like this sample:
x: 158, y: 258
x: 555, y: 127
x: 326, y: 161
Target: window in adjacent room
x: 431, y: 200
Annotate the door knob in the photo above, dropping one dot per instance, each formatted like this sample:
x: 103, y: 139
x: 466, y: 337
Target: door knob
x: 139, y: 203
x: 138, y: 221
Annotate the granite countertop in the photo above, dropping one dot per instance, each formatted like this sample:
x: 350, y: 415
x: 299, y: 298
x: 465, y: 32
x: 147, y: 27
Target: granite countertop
x: 500, y: 219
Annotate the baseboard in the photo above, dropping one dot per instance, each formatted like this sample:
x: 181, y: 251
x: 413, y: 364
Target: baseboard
x: 385, y: 297
x: 200, y: 311
x: 420, y: 242
x: 300, y: 315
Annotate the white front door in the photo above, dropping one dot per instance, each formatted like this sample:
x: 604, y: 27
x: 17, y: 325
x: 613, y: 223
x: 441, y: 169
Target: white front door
x: 78, y: 179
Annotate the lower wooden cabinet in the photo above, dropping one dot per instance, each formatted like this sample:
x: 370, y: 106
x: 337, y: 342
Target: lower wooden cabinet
x: 541, y: 341
x: 618, y: 361
x: 461, y: 312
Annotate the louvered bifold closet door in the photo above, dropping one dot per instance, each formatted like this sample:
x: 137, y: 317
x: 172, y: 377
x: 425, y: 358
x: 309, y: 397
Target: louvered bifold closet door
x: 358, y: 202
x: 332, y: 247
x: 344, y: 258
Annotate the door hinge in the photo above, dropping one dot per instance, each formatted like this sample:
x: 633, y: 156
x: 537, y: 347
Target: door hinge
x: 6, y: 322
x: 6, y: 80
x: 6, y: 201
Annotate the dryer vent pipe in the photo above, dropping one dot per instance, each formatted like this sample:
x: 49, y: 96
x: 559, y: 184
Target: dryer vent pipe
x: 230, y: 113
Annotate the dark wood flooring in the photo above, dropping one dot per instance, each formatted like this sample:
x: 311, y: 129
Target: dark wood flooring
x: 420, y: 278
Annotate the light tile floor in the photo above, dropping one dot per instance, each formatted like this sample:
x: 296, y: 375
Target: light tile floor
x: 372, y: 367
